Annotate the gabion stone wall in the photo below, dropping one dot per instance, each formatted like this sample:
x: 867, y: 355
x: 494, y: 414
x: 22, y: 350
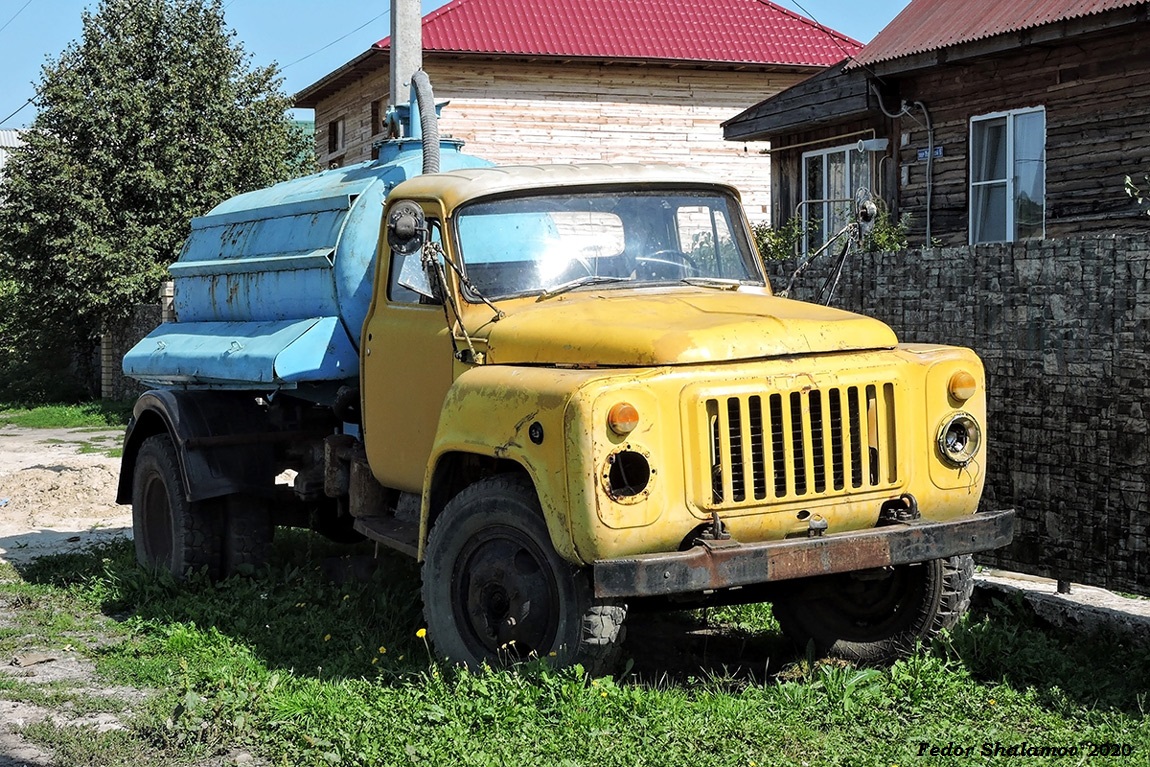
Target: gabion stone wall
x: 1063, y: 328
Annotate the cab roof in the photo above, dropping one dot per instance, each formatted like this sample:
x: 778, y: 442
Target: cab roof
x: 459, y: 186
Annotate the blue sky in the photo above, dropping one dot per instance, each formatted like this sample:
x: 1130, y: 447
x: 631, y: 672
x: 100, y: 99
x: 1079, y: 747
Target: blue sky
x: 307, y: 38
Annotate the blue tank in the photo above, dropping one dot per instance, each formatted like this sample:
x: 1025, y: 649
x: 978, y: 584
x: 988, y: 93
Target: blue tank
x: 272, y: 287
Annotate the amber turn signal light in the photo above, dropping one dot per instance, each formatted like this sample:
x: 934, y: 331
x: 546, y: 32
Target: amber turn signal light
x: 962, y: 386
x: 623, y: 418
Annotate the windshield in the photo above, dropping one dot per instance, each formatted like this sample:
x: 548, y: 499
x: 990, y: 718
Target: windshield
x: 546, y: 244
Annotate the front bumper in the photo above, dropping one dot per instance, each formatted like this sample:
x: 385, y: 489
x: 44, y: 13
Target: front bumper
x: 724, y: 564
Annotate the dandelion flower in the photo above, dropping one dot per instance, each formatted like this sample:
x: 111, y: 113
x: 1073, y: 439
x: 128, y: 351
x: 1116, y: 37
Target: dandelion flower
x: 327, y: 637
x: 421, y: 633
x: 993, y: 701
x: 604, y: 693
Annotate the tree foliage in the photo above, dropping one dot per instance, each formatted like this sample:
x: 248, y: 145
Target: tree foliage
x: 154, y: 116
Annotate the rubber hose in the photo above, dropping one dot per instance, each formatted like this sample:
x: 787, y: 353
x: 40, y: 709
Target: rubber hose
x: 427, y: 120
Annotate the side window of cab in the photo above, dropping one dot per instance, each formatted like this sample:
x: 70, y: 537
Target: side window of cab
x: 398, y: 293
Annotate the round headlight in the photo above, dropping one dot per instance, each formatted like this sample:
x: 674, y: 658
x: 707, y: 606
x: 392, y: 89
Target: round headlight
x: 959, y: 438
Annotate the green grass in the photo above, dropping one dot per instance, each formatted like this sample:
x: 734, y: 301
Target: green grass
x: 299, y: 669
x: 91, y: 415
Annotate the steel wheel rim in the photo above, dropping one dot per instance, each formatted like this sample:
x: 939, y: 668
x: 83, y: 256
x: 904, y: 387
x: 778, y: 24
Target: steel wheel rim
x: 157, y: 520
x: 871, y: 610
x: 505, y: 595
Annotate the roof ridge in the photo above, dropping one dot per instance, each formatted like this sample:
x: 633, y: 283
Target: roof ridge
x: 446, y: 8
x: 710, y: 31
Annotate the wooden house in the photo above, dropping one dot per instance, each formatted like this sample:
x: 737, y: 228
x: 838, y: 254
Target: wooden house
x: 9, y: 140
x: 985, y: 121
x: 562, y: 81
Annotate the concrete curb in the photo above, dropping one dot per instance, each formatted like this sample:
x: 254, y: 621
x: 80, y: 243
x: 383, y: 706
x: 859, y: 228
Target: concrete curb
x: 1085, y: 609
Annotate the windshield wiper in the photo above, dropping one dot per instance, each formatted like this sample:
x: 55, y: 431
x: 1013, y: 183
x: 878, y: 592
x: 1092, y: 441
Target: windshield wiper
x: 722, y: 283
x: 578, y: 282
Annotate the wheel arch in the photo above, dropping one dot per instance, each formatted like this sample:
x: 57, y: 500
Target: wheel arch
x: 451, y: 471
x: 191, y: 418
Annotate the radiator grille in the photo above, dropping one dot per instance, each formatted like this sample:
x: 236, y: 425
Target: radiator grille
x: 784, y: 445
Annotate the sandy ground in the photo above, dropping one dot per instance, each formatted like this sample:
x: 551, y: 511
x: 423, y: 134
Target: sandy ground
x: 54, y: 496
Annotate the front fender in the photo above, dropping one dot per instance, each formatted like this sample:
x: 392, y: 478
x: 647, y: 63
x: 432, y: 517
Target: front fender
x: 513, y: 414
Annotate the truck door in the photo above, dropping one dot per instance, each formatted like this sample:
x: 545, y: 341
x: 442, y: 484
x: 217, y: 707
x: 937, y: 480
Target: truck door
x: 407, y: 366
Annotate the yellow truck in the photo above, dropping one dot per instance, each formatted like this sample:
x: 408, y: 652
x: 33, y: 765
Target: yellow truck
x: 565, y: 390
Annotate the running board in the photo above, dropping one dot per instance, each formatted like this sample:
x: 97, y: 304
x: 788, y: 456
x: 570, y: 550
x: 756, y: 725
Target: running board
x: 391, y: 532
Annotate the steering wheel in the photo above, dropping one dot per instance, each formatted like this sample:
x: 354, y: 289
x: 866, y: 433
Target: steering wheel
x: 666, y: 264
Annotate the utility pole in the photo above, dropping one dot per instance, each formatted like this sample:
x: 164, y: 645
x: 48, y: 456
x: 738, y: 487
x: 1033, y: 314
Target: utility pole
x: 406, y: 47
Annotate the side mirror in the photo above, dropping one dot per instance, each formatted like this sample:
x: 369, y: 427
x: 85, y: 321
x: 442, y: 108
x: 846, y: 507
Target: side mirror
x: 414, y: 277
x: 406, y: 235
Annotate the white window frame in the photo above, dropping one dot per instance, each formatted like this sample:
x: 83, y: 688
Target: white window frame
x: 852, y: 186
x: 1010, y: 115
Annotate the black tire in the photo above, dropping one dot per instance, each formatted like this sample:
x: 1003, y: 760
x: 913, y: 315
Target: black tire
x: 248, y: 532
x: 170, y: 532
x: 867, y: 619
x: 495, y: 590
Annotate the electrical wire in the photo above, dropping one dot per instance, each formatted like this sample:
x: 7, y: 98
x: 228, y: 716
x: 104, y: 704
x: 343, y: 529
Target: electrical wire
x: 18, y: 110
x: 2, y: 28
x: 14, y: 15
x: 116, y: 21
x: 822, y: 28
x: 5, y: 25
x: 339, y: 39
x: 835, y: 37
x: 63, y: 69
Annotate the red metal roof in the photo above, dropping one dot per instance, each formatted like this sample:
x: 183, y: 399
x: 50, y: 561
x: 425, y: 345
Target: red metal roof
x: 727, y: 31
x: 929, y: 25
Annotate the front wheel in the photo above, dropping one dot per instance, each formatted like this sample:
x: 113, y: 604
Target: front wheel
x: 878, y: 615
x: 495, y: 590
x: 171, y: 533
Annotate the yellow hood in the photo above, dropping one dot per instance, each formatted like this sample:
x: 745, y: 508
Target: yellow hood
x: 612, y: 328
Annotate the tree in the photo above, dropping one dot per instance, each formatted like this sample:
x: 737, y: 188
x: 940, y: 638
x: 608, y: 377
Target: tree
x: 154, y: 116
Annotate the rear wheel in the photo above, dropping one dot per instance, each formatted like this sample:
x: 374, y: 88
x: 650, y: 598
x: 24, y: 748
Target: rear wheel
x: 170, y: 532
x: 495, y: 590
x: 247, y: 538
x: 878, y: 615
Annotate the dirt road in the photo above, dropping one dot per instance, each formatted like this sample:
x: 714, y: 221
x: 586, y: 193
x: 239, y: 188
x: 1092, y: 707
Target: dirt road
x: 58, y: 491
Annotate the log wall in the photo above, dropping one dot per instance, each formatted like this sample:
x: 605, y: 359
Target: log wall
x: 518, y: 113
x: 1097, y: 99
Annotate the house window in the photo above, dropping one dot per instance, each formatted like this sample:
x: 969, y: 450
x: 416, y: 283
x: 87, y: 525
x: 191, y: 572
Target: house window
x: 1008, y: 176
x: 830, y: 179
x: 336, y: 137
x: 377, y: 113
